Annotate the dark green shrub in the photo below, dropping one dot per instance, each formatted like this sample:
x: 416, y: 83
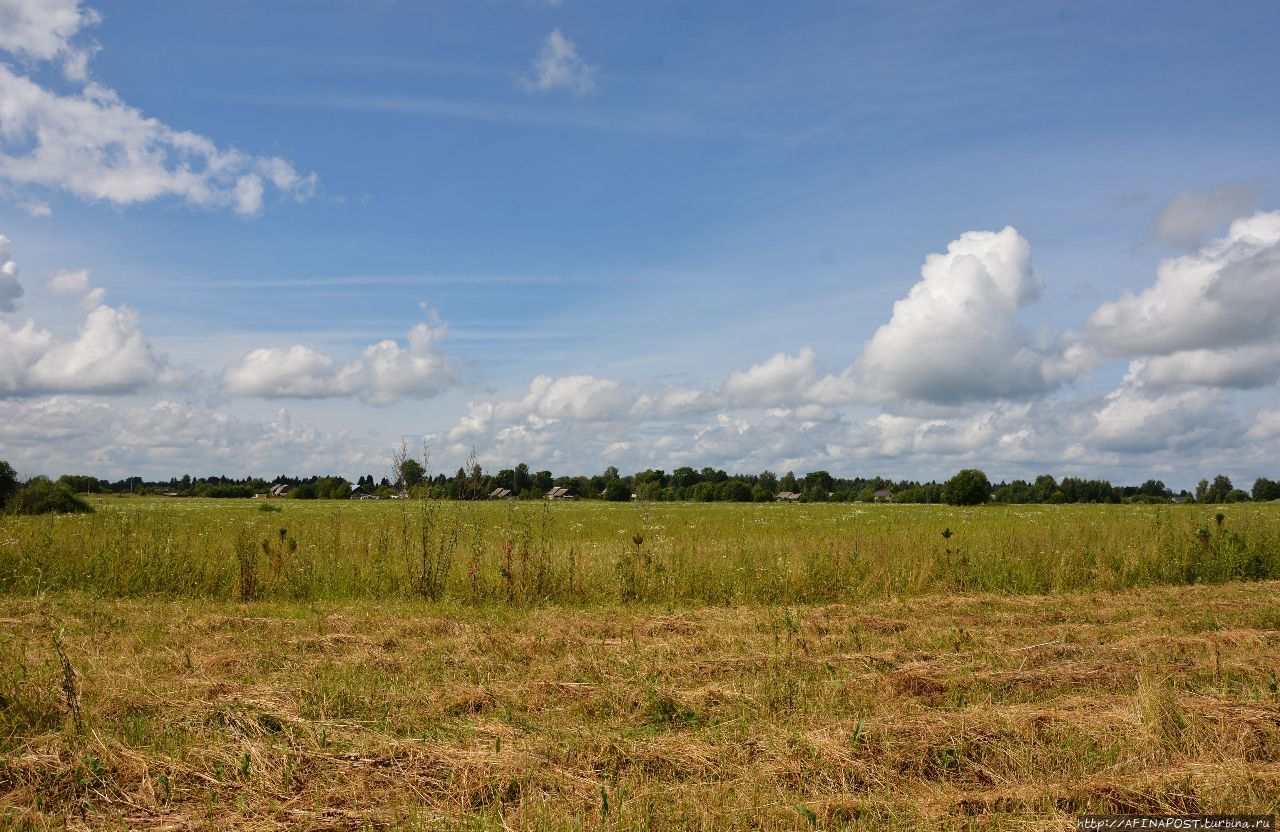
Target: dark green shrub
x: 44, y: 497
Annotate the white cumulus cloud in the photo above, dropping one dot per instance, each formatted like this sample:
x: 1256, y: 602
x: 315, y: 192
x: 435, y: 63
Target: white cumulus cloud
x: 69, y: 282
x: 90, y: 143
x: 1240, y: 367
x: 10, y: 288
x: 42, y: 30
x: 1266, y: 425
x: 1133, y: 421
x: 558, y: 66
x: 781, y: 379
x: 109, y: 355
x: 956, y: 336
x: 93, y: 145
x: 384, y: 373
x: 1212, y: 317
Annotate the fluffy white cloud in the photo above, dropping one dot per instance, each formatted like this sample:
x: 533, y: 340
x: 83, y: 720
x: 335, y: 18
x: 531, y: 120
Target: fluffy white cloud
x: 1240, y: 367
x: 43, y: 29
x: 95, y: 146
x: 386, y: 372
x: 109, y: 355
x: 1227, y: 294
x: 579, y: 398
x: 10, y: 288
x: 781, y: 379
x: 69, y: 282
x: 956, y: 337
x: 1189, y: 218
x: 957, y: 380
x: 557, y: 66
x: 1266, y: 426
x: 1211, y: 318
x: 576, y: 399
x: 1132, y: 421
x: 91, y: 144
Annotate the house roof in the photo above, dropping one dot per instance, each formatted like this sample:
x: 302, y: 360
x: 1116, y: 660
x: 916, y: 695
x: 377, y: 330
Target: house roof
x: 558, y: 492
x: 788, y: 495
x: 884, y: 492
x: 500, y: 492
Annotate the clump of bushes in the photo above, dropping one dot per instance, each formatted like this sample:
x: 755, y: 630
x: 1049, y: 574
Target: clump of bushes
x: 970, y: 487
x: 41, y: 496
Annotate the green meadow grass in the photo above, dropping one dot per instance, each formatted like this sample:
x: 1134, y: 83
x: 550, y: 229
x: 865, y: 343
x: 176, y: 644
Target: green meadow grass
x: 581, y: 553
x: 208, y: 664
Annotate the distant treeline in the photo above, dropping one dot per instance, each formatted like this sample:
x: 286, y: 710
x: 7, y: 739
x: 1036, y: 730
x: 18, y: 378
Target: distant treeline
x: 706, y: 485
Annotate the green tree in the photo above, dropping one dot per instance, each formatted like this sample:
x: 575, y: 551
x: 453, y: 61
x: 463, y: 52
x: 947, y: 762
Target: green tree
x: 521, y: 480
x: 1263, y: 489
x: 411, y: 473
x: 818, y: 483
x: 616, y: 491
x: 1044, y: 488
x: 684, y: 477
x: 1155, y: 488
x: 1219, y: 491
x: 969, y: 487
x: 8, y: 483
x: 649, y: 490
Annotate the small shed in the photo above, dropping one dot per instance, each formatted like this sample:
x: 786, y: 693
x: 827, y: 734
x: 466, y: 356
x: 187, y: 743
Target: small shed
x: 559, y: 493
x: 884, y: 495
x: 787, y: 496
x: 499, y: 493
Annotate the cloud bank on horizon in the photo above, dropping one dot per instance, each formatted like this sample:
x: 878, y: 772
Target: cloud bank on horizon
x: 956, y: 376
x: 1169, y: 374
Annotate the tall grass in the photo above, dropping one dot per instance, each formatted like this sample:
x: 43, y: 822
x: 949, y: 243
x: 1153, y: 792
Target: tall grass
x: 523, y: 554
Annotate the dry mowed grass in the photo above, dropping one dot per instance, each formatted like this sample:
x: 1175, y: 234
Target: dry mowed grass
x: 938, y: 712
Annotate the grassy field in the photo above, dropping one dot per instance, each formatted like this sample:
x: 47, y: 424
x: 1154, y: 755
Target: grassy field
x: 520, y: 554
x: 740, y: 667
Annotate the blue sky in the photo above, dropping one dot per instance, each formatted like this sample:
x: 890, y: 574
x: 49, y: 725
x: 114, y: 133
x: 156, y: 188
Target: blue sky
x: 640, y: 234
